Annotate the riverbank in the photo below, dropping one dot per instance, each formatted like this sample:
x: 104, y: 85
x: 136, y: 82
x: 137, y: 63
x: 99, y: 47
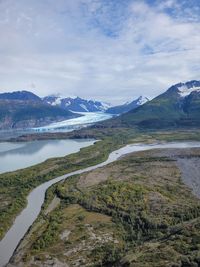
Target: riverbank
x: 136, y: 212
x: 26, y: 154
x: 15, y: 186
x: 20, y: 183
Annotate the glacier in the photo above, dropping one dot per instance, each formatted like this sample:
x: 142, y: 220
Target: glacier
x: 87, y: 118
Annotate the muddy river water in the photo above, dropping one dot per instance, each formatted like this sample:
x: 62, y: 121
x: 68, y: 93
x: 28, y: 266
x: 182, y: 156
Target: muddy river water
x: 35, y: 199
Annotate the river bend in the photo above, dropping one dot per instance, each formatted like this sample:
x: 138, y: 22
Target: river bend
x: 36, y: 198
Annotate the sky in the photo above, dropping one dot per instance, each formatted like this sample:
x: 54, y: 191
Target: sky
x: 110, y: 50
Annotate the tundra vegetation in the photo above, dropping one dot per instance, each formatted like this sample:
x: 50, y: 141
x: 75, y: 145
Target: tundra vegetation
x: 133, y: 212
x: 15, y: 186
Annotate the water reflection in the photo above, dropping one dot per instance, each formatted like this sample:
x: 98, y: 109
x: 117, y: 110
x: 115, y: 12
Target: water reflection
x: 15, y: 156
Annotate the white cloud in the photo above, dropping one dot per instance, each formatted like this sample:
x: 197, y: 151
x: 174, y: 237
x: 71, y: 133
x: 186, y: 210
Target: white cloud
x: 111, y: 50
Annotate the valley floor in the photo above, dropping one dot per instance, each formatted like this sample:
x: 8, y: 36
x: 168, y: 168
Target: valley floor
x: 138, y: 211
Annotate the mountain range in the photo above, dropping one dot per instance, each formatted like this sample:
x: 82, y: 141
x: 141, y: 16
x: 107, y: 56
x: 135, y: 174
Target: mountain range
x: 127, y: 106
x: 76, y: 104
x: 24, y: 109
x: 179, y: 106
x: 82, y: 105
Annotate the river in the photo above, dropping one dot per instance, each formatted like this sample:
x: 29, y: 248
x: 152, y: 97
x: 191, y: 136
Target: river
x: 36, y: 198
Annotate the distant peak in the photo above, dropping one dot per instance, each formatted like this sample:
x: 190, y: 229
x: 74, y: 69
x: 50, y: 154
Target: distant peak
x: 142, y: 99
x: 54, y: 95
x: 20, y: 95
x: 185, y: 89
x: 77, y: 104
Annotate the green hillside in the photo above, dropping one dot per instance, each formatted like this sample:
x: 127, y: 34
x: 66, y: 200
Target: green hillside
x: 167, y: 110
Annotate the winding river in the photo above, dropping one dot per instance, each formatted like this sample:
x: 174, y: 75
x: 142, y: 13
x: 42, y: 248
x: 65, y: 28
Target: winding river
x: 36, y: 198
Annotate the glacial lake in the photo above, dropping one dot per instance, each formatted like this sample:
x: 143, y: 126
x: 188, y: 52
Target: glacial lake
x: 14, y: 156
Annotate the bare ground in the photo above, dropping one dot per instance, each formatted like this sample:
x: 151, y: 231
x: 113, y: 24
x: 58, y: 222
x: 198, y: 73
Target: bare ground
x: 185, y: 165
x: 188, y: 161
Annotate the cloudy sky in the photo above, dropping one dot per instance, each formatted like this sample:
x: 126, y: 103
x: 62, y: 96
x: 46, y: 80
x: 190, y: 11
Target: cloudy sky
x: 112, y: 50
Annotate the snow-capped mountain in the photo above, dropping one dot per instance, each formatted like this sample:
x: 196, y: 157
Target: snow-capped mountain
x: 76, y: 104
x: 24, y: 109
x: 53, y: 100
x: 178, y: 107
x: 185, y: 89
x: 141, y: 100
x: 127, y: 106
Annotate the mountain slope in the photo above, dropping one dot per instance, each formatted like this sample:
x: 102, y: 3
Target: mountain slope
x: 76, y: 104
x: 24, y: 109
x: 20, y: 95
x: 178, y: 106
x: 127, y: 106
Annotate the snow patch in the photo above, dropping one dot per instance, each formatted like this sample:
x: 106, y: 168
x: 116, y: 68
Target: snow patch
x: 77, y: 102
x: 57, y: 101
x: 142, y: 100
x: 185, y: 91
x: 104, y: 106
x: 67, y: 104
x: 128, y: 102
x: 84, y: 107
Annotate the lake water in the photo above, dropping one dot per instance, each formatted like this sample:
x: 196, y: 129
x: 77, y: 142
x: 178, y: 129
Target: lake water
x: 36, y: 198
x: 15, y: 156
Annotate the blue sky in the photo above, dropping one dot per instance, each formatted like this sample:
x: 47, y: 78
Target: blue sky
x: 112, y: 50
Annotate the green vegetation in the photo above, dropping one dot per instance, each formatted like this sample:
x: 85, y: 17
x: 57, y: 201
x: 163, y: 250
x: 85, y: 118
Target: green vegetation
x: 15, y: 186
x: 141, y: 215
x: 168, y: 110
x: 134, y: 212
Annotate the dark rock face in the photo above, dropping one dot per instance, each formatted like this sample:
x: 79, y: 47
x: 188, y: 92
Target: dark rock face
x: 20, y: 95
x: 26, y: 110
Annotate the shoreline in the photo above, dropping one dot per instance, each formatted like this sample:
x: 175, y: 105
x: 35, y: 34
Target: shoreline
x: 115, y: 155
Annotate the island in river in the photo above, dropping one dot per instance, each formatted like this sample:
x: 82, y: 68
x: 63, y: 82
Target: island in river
x: 20, y: 183
x: 90, y: 219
